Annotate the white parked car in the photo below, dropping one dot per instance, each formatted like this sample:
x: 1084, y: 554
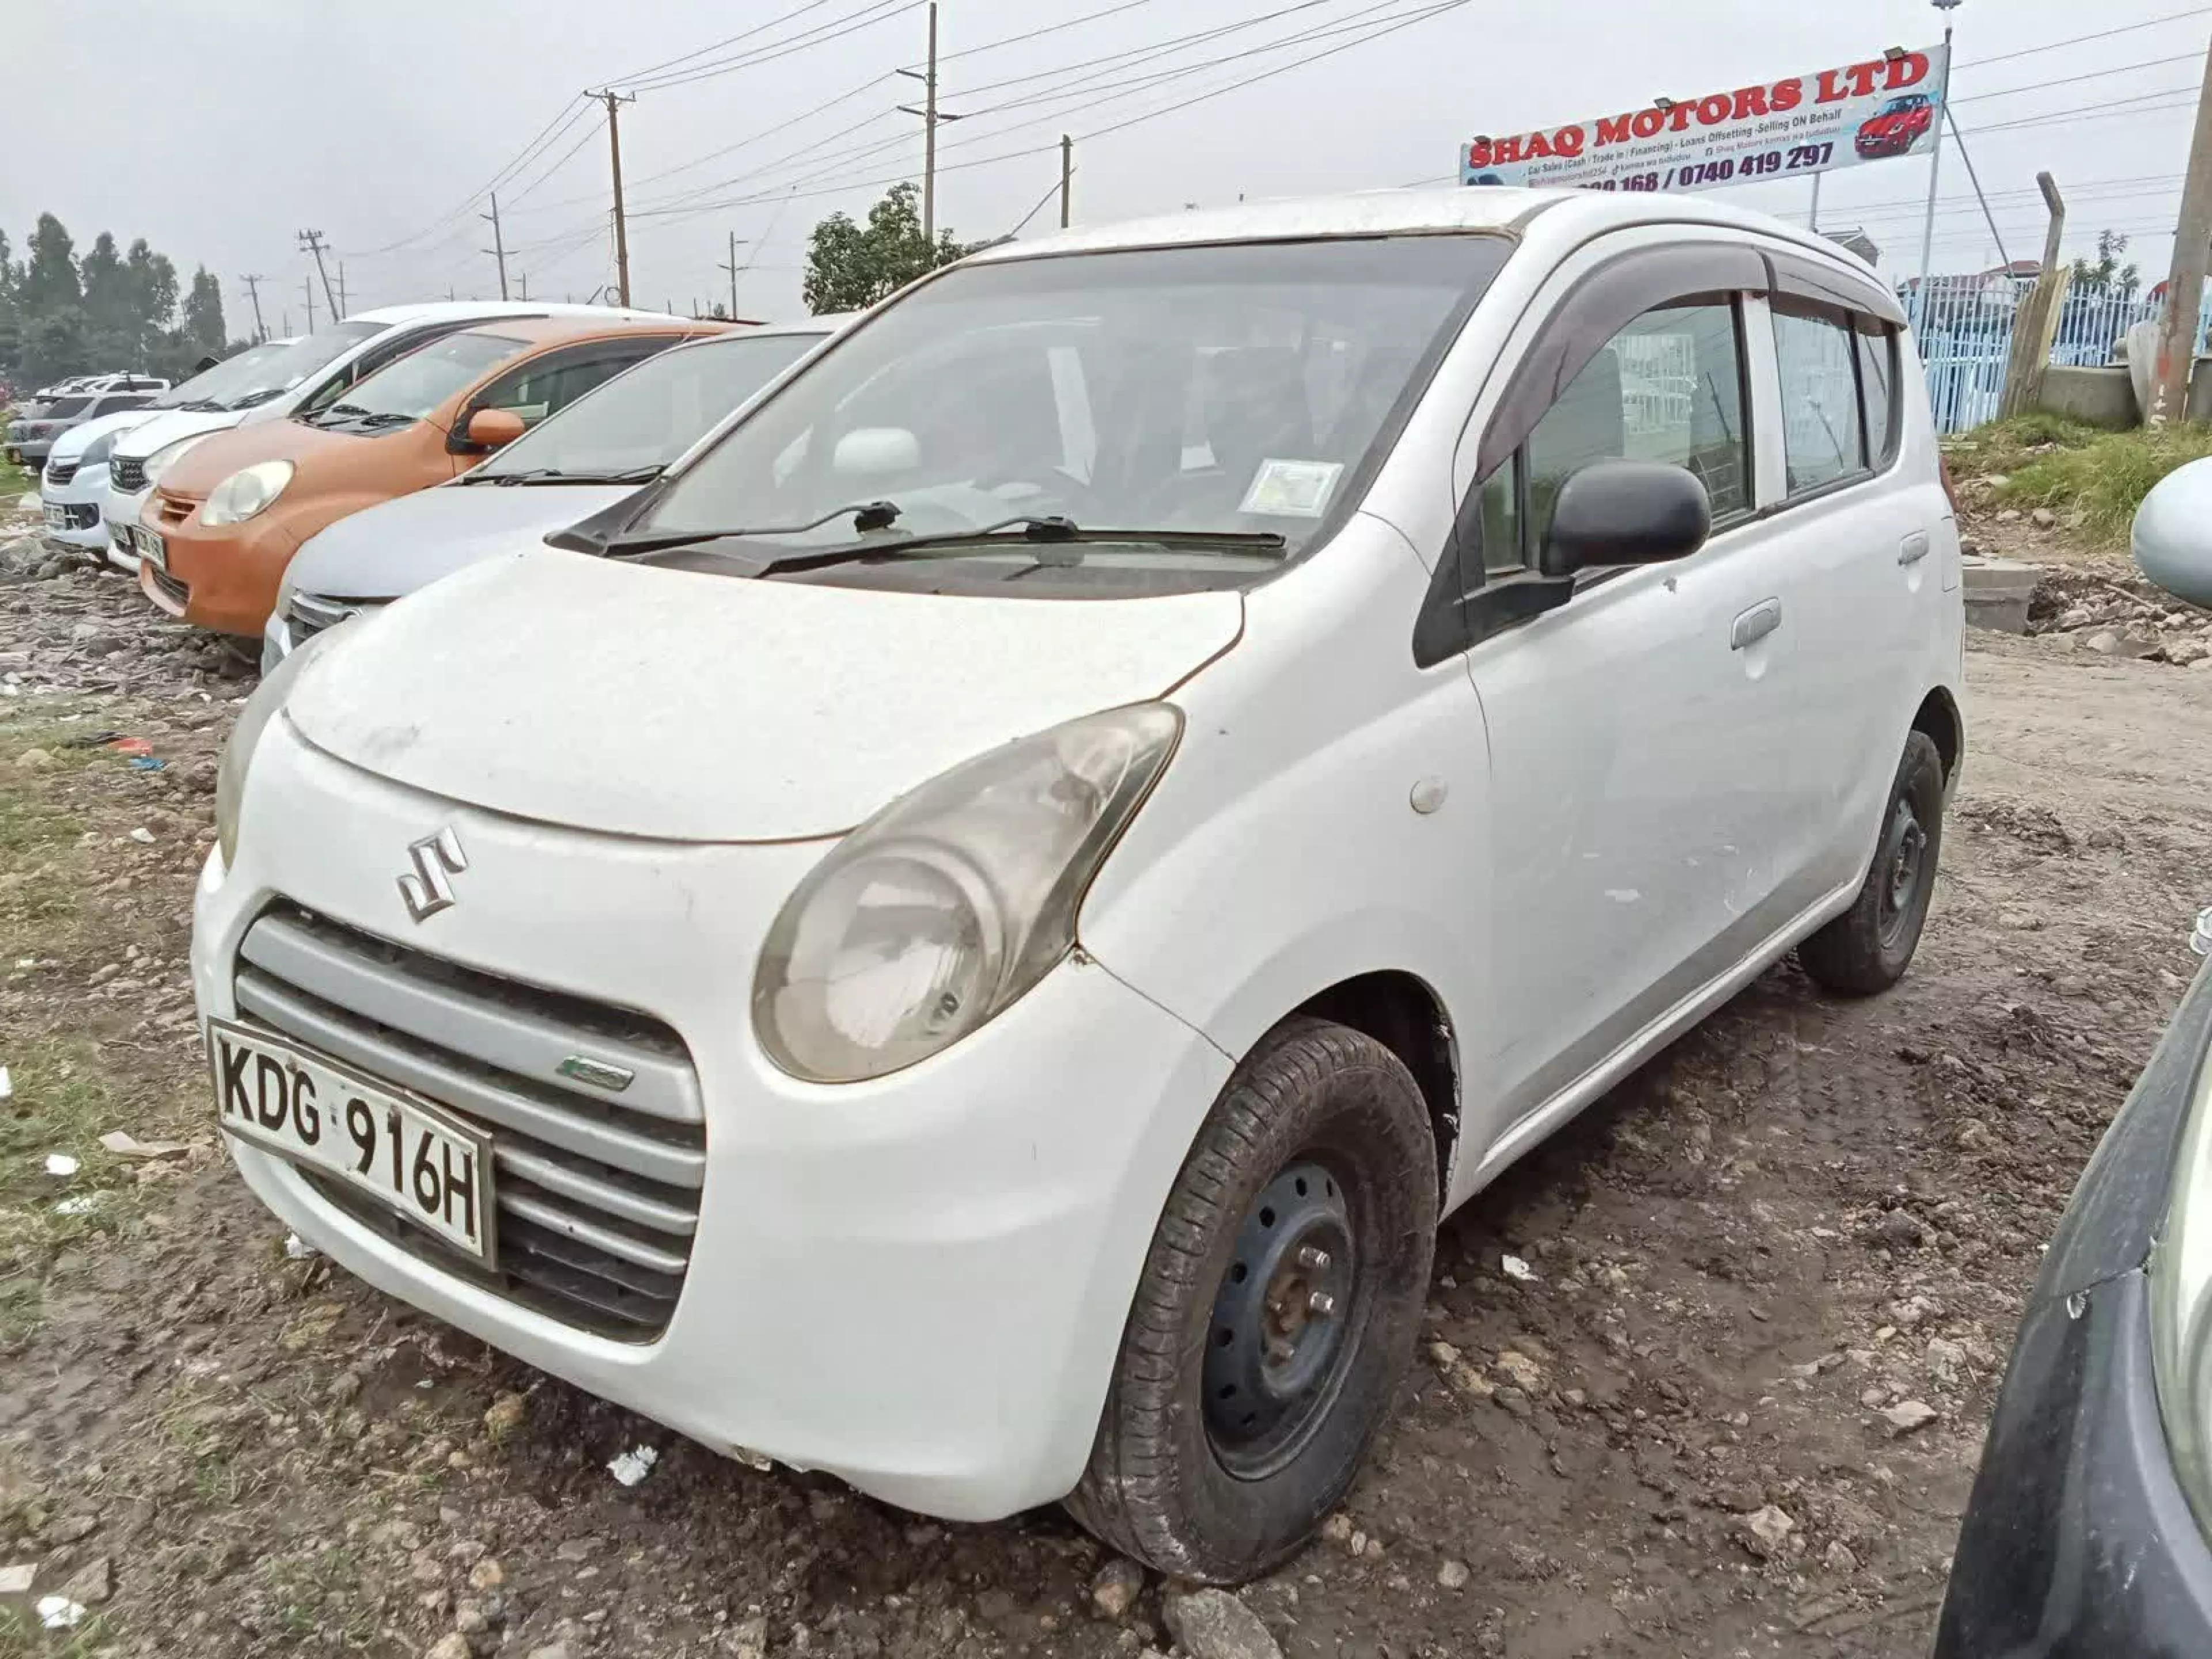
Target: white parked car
x: 587, y: 458
x: 308, y: 375
x: 971, y: 946
x: 73, y: 484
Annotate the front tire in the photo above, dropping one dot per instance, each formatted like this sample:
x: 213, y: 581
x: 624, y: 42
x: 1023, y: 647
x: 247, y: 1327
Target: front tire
x: 1868, y: 948
x: 1277, y: 1310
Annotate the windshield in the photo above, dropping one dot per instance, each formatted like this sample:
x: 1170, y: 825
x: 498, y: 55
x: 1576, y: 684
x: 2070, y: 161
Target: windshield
x: 410, y: 388
x: 1901, y: 105
x: 646, y: 418
x: 270, y: 377
x: 63, y: 408
x: 1229, y: 390
x: 214, y: 385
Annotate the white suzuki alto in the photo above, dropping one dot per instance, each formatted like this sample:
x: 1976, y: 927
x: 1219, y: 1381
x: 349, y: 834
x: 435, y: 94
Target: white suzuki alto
x: 966, y: 937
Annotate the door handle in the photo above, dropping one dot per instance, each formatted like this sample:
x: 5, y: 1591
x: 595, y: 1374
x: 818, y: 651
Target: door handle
x: 1755, y: 624
x: 1916, y: 548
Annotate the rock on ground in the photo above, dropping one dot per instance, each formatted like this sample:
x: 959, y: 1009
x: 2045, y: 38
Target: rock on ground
x: 1212, y: 1624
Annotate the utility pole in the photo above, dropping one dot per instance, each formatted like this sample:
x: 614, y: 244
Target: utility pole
x: 2184, y: 288
x: 253, y: 292
x: 930, y: 115
x: 498, y: 247
x: 733, y: 267
x: 312, y: 241
x: 1067, y: 177
x: 612, y: 100
x: 344, y: 310
x: 523, y: 278
x: 307, y: 285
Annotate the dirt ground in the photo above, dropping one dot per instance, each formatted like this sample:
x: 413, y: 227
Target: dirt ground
x: 1671, y: 1438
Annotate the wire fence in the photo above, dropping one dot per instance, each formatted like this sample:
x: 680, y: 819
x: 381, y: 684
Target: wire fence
x: 1963, y: 326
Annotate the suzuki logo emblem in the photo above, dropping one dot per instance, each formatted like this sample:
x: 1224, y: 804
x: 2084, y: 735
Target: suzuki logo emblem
x: 427, y: 891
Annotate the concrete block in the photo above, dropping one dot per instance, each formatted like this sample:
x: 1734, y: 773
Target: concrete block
x: 1997, y: 592
x: 2102, y: 397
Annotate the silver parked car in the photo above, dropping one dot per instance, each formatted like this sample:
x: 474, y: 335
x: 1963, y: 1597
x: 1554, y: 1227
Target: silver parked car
x: 602, y: 448
x: 31, y: 438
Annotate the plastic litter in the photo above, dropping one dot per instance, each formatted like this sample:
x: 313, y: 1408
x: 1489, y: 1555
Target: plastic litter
x: 2200, y: 941
x: 123, y: 1144
x: 91, y: 740
x: 297, y: 1249
x: 132, y: 746
x: 142, y: 835
x: 634, y: 1465
x: 59, y: 1612
x: 1517, y: 1269
x: 146, y: 763
x: 6, y: 1087
x: 82, y: 1204
x: 62, y: 1164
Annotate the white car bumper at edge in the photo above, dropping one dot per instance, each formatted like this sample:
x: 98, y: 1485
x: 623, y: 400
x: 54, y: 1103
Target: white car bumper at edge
x: 119, y: 509
x: 917, y: 1284
x: 88, y: 489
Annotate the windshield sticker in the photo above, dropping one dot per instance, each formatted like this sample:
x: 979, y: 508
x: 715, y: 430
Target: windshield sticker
x: 1292, y: 490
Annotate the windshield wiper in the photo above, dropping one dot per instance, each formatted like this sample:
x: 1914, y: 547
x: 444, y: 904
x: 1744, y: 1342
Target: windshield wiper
x: 1043, y: 532
x: 247, y: 400
x: 535, y: 475
x: 865, y: 516
x: 204, y: 403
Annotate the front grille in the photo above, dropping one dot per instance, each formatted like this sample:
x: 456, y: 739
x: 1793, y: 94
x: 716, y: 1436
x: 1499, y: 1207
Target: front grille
x: 60, y: 472
x: 78, y: 515
x: 597, y: 1191
x: 127, y: 473
x: 170, y: 510
x: 311, y: 613
x: 169, y: 584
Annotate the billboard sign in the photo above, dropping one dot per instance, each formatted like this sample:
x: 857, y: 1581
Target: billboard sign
x: 1872, y: 110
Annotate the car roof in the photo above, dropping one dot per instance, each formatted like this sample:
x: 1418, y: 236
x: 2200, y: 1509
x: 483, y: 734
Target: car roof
x: 565, y: 331
x: 446, y: 310
x: 1562, y: 217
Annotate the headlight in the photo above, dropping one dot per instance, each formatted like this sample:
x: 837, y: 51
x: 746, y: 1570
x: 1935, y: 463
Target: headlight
x: 245, y: 737
x: 246, y: 493
x: 945, y: 907
x: 165, y: 457
x: 2181, y: 1305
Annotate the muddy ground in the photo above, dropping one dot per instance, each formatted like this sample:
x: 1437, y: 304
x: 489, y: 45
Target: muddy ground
x: 1674, y: 1439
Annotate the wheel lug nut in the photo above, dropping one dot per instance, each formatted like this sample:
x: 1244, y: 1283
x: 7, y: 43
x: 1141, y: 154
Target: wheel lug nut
x: 1314, y: 1257
x: 1323, y: 1302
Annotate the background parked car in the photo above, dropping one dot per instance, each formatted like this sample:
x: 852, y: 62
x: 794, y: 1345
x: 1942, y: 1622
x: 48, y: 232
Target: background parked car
x: 312, y: 373
x: 225, y: 520
x: 73, y: 486
x: 31, y: 439
x: 589, y: 457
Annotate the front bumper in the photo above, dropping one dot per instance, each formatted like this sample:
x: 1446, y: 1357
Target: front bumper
x: 80, y: 498
x: 2078, y: 1538
x: 224, y: 579
x: 917, y: 1284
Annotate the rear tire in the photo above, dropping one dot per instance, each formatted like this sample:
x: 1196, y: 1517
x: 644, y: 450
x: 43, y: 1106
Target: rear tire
x: 1278, y: 1311
x: 1868, y: 948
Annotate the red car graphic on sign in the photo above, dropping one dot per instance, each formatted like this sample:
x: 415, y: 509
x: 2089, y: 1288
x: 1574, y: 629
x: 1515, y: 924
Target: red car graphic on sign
x: 1897, y: 127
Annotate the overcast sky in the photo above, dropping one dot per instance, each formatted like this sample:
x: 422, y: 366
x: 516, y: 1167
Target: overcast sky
x: 217, y: 129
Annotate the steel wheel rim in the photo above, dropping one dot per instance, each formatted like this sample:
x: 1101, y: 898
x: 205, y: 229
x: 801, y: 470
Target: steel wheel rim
x: 1903, y: 865
x: 1280, y: 1335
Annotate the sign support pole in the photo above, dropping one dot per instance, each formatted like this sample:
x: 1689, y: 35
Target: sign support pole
x: 1935, y: 179
x: 1813, y: 224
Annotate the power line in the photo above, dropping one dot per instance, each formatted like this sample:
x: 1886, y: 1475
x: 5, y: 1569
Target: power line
x: 560, y: 123
x: 2075, y: 80
x: 2083, y: 39
x: 758, y: 29
x: 589, y: 133
x: 875, y: 12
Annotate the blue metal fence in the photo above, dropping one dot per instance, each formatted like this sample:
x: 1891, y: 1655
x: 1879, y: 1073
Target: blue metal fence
x: 1964, y: 326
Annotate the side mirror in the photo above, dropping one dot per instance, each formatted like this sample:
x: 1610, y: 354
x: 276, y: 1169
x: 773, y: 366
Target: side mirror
x: 1626, y: 513
x: 493, y: 428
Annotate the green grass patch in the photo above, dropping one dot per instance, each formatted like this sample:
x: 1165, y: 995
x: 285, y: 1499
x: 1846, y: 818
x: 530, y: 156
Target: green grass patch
x: 2005, y: 446
x: 2099, y: 486
x: 63, y: 1098
x: 21, y: 1637
x: 16, y: 480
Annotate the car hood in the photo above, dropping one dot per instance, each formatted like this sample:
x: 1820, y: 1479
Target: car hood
x: 398, y: 546
x: 170, y: 424
x: 78, y: 439
x: 318, y: 457
x: 564, y: 689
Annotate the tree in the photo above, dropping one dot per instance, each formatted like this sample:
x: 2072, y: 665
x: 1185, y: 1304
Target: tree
x: 49, y: 279
x: 850, y: 266
x: 203, y: 312
x: 2106, y: 272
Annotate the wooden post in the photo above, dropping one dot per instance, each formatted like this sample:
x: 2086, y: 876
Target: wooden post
x: 2035, y: 326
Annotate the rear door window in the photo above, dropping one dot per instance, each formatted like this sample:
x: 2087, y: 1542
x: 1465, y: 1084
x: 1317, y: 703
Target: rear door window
x: 1824, y: 439
x: 547, y: 385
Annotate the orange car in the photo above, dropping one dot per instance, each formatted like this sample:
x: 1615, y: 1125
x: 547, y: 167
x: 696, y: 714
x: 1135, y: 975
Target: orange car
x: 229, y: 514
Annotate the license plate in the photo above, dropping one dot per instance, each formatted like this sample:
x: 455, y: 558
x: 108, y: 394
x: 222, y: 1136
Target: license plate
x: 408, y: 1155
x: 151, y: 546
x: 57, y: 517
